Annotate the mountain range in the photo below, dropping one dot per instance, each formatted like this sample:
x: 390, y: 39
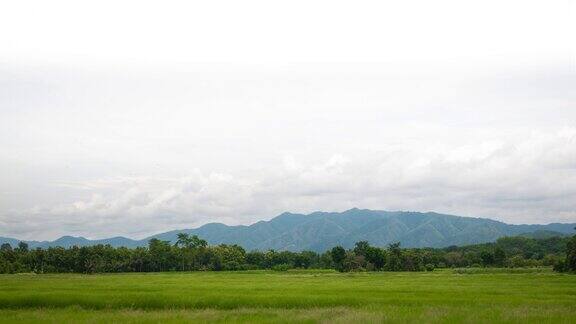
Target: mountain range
x: 320, y: 231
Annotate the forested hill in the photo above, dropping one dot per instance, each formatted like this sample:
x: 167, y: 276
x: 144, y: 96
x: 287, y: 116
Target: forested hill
x: 320, y: 231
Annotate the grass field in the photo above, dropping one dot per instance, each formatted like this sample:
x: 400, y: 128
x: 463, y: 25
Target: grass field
x: 294, y: 296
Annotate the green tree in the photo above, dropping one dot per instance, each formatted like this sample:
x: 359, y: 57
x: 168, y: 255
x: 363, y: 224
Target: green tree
x: 183, y: 239
x: 361, y: 248
x: 338, y: 255
x: 499, y: 257
x: 353, y: 262
x: 375, y: 257
x: 517, y: 261
x: 6, y: 247
x: 571, y: 254
x: 487, y: 258
x: 160, y: 253
x: 394, y: 259
x: 191, y: 242
x: 305, y: 259
x: 22, y: 247
x: 198, y: 242
x: 256, y: 259
x: 454, y: 259
x: 232, y: 257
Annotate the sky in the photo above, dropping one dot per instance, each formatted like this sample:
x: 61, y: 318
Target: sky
x: 137, y: 117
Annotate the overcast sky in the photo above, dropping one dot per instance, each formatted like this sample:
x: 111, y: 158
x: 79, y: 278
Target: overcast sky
x: 135, y: 117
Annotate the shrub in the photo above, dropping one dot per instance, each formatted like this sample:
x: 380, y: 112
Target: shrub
x: 281, y: 267
x: 560, y: 266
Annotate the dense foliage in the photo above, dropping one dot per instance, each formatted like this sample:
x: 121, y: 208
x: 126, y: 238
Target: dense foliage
x: 191, y: 253
x: 569, y: 264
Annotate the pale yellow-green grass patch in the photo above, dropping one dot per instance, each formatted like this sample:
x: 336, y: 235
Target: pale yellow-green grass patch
x: 293, y: 296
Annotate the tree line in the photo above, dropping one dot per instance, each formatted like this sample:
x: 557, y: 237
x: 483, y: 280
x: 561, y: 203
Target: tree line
x: 191, y: 253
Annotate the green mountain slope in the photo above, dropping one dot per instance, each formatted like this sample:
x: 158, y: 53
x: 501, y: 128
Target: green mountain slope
x: 320, y: 231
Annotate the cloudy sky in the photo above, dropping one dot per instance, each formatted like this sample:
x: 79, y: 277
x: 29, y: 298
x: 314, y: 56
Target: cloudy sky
x: 135, y: 117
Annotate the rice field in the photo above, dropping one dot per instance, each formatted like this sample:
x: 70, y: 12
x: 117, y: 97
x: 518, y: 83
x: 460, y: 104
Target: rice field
x: 293, y: 296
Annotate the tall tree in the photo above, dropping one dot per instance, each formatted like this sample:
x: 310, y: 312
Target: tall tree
x: 361, y: 248
x: 499, y: 257
x: 338, y: 255
x: 183, y: 240
x: 571, y: 254
x: 394, y: 262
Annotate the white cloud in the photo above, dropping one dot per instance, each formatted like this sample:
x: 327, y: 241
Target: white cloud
x: 137, y: 117
x: 532, y: 180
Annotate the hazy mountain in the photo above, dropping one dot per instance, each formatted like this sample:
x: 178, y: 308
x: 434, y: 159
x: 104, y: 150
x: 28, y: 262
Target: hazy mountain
x: 320, y: 230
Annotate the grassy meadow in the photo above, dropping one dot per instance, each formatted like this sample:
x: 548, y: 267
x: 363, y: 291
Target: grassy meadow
x: 293, y: 296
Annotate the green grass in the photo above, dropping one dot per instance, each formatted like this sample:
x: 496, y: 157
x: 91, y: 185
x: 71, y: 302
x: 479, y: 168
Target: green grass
x: 293, y: 296
x: 500, y: 270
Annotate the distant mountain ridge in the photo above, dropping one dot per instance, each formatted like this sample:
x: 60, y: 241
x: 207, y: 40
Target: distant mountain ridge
x: 320, y: 231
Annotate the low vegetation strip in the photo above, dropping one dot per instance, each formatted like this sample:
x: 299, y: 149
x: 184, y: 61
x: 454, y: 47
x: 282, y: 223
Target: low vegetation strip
x: 191, y: 253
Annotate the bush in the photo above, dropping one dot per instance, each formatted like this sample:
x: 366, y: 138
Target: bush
x: 232, y: 266
x: 550, y: 260
x: 429, y: 267
x: 560, y: 266
x: 281, y: 267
